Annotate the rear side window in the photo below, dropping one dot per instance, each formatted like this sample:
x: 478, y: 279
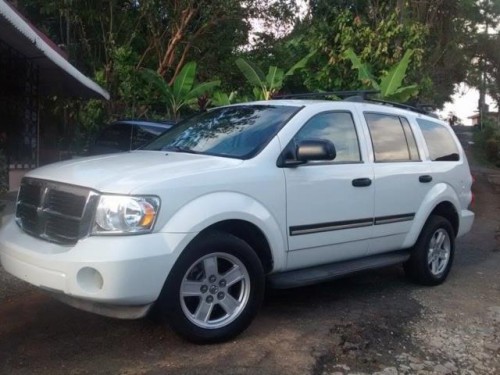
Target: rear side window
x: 392, y: 138
x: 440, y: 142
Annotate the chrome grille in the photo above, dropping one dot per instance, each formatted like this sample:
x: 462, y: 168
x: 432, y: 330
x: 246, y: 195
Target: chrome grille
x: 55, y: 212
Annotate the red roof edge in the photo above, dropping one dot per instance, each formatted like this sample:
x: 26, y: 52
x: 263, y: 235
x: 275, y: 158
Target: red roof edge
x: 45, y: 38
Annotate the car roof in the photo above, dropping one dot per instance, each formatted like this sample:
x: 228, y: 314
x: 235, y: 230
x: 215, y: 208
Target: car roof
x: 385, y: 107
x: 162, y: 124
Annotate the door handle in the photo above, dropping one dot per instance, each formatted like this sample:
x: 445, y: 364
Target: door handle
x: 361, y: 182
x: 425, y: 178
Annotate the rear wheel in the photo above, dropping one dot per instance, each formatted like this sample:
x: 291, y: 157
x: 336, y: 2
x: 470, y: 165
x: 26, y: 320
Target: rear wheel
x: 214, y: 290
x: 432, y: 255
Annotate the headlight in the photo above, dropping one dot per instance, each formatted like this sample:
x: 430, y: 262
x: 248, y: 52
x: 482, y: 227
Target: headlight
x: 118, y: 214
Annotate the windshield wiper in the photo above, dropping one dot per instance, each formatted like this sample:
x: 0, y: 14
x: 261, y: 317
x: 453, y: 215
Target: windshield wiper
x: 180, y: 149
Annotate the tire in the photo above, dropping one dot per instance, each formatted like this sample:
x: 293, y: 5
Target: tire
x: 214, y: 290
x: 432, y: 256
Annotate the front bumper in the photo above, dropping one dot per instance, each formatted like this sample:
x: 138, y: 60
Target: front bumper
x: 118, y: 271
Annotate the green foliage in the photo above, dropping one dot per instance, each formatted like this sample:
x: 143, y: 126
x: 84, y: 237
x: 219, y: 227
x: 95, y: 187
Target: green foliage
x: 348, y: 44
x: 364, y: 73
x: 183, y: 92
x: 379, y: 40
x: 220, y: 98
x: 487, y: 143
x: 390, y: 83
x: 265, y: 86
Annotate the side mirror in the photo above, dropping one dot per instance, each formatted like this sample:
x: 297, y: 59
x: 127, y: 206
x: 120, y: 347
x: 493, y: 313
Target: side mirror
x: 307, y: 150
x: 315, y: 150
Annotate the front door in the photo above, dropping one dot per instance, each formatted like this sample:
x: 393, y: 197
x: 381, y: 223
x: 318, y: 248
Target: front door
x: 329, y: 204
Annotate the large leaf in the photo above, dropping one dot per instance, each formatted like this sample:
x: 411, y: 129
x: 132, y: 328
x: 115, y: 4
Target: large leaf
x: 156, y: 81
x: 274, y: 78
x: 364, y: 74
x: 260, y: 94
x: 184, y: 81
x: 252, y: 73
x: 221, y: 98
x: 403, y: 94
x: 393, y: 80
x: 301, y: 64
x: 201, y: 89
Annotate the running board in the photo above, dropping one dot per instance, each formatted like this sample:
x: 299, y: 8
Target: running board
x: 326, y: 272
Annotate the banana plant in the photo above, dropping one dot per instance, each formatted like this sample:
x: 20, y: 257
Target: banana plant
x: 389, y: 84
x: 265, y: 86
x: 183, y: 92
x: 220, y: 98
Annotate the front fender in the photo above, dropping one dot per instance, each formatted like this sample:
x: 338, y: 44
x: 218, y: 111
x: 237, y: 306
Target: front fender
x: 213, y: 208
x: 441, y: 192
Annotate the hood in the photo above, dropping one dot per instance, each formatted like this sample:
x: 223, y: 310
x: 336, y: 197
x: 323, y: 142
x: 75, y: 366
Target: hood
x: 125, y: 172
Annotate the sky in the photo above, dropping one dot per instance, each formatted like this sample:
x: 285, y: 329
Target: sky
x: 465, y: 104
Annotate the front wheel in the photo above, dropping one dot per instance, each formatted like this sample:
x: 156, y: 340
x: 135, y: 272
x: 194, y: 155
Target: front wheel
x: 432, y: 255
x: 214, y: 290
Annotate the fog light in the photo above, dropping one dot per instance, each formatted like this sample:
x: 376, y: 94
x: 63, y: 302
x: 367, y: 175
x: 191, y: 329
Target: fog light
x: 89, y: 279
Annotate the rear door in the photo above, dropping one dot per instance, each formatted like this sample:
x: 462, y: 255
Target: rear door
x: 402, y: 179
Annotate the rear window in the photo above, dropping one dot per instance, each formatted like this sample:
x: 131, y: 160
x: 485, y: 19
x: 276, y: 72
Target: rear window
x: 392, y: 138
x: 440, y: 143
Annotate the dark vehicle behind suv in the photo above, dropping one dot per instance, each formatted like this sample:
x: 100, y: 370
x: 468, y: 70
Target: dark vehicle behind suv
x: 127, y: 135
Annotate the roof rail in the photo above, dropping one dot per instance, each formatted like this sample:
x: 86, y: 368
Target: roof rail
x: 399, y: 105
x: 423, y: 109
x: 360, y: 96
x: 363, y: 94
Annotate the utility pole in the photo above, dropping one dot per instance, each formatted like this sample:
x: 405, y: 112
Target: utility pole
x: 483, y: 79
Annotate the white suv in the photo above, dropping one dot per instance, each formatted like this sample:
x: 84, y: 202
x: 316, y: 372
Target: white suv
x: 289, y: 191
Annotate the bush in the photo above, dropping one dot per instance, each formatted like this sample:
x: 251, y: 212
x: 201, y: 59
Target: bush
x: 492, y: 149
x: 487, y: 143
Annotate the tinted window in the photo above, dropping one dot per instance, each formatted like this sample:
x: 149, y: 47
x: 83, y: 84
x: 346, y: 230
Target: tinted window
x: 116, y: 136
x: 336, y: 127
x: 142, y: 134
x: 410, y: 139
x: 388, y: 138
x: 439, y: 141
x: 237, y: 131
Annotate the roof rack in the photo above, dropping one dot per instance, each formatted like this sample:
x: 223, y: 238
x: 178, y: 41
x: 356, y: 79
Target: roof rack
x: 363, y: 94
x: 360, y: 96
x: 399, y: 105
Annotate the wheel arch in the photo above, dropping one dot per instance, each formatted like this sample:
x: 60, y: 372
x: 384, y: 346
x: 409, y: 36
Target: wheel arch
x: 447, y: 210
x: 442, y: 200
x: 249, y: 233
x: 239, y: 215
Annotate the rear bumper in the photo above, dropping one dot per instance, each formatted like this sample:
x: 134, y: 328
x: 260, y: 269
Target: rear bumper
x: 466, y: 221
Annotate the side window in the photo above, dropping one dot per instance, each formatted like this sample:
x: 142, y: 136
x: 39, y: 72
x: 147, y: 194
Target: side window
x: 410, y: 139
x: 439, y: 141
x: 338, y: 128
x: 391, y: 142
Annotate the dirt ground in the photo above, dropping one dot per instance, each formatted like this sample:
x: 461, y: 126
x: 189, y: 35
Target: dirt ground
x: 371, y: 323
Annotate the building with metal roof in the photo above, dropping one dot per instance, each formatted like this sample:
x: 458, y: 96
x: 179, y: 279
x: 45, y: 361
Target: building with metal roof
x: 31, y: 67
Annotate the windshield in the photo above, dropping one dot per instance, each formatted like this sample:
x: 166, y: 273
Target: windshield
x: 238, y: 131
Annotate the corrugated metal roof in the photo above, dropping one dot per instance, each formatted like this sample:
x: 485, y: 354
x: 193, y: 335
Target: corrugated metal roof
x: 57, y: 75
